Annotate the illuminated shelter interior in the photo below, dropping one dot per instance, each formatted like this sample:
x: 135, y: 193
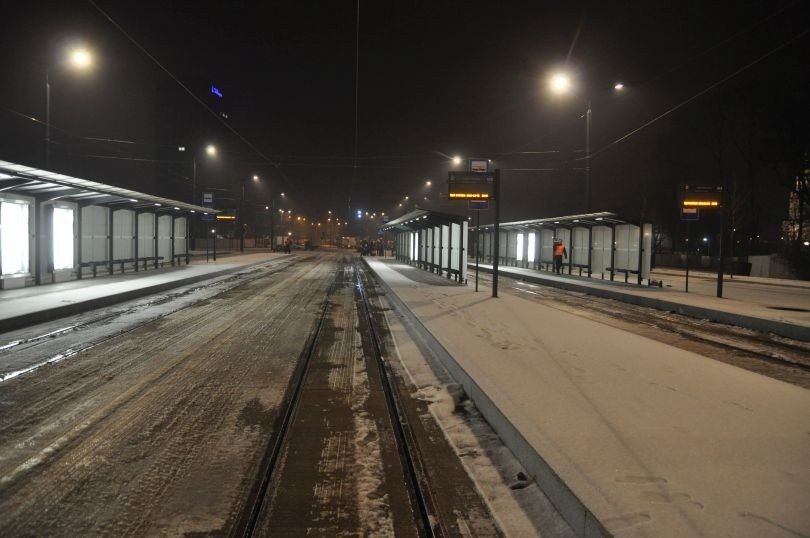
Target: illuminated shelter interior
x: 435, y: 242
x: 597, y: 244
x: 55, y: 227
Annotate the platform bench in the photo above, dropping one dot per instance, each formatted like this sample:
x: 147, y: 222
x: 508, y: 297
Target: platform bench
x: 580, y: 266
x: 627, y: 272
x: 120, y: 262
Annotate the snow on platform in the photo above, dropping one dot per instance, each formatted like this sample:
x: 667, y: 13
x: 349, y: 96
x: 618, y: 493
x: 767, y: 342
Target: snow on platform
x: 653, y: 440
x: 35, y: 304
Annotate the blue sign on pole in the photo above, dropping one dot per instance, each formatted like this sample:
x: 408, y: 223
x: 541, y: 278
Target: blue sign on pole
x: 216, y: 91
x: 208, y: 201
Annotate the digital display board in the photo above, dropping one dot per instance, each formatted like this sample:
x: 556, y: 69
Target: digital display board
x: 706, y: 196
x: 470, y: 186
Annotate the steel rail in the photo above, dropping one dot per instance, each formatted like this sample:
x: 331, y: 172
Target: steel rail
x: 414, y: 474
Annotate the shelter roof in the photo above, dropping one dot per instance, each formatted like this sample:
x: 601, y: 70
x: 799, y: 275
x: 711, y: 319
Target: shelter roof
x: 25, y: 180
x: 586, y: 219
x: 421, y: 218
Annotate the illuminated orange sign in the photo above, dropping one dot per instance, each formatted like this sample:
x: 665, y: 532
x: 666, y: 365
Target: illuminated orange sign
x: 469, y: 186
x: 700, y: 203
x: 707, y: 196
x: 469, y: 195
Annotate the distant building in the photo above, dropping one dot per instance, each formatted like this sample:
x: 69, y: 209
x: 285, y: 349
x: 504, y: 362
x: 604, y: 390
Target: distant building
x: 797, y: 225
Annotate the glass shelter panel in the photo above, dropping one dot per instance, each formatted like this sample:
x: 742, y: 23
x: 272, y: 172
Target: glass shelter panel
x: 579, y: 246
x: 123, y: 233
x: 546, y: 245
x: 94, y: 233
x: 14, y: 234
x: 626, y: 247
x: 146, y: 235
x: 601, y: 238
x: 519, y: 248
x: 164, y: 237
x: 455, y: 245
x: 63, y: 244
x: 646, y: 259
x: 180, y: 235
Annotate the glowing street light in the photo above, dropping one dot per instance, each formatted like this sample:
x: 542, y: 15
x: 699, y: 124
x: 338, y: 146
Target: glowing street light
x: 456, y: 159
x: 211, y: 150
x: 560, y: 83
x: 79, y: 58
x: 428, y: 183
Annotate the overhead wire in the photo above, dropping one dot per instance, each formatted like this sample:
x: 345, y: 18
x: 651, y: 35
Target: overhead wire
x: 700, y: 93
x: 192, y: 94
x: 681, y: 65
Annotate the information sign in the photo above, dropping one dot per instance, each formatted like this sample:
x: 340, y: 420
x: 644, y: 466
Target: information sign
x: 702, y: 196
x: 479, y: 165
x: 470, y: 186
x: 690, y: 213
x: 480, y: 205
x: 208, y: 202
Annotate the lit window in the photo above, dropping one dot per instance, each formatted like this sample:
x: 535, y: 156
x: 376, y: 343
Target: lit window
x: 531, y: 247
x: 14, y: 237
x: 519, y: 256
x: 62, y: 238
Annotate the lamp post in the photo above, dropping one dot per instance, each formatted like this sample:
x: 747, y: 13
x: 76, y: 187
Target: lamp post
x: 560, y: 84
x: 79, y: 58
x: 211, y: 152
x: 242, y: 215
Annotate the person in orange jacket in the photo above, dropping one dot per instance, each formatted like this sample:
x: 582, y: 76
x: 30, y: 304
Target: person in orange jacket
x: 559, y: 252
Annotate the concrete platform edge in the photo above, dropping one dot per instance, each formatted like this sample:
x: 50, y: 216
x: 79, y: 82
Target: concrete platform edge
x: 788, y: 330
x: 34, y: 318
x: 581, y: 520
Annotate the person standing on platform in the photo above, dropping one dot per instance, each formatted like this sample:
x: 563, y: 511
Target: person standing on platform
x: 559, y: 252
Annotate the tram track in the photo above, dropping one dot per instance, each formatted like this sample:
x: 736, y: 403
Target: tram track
x: 264, y: 511
x: 773, y: 355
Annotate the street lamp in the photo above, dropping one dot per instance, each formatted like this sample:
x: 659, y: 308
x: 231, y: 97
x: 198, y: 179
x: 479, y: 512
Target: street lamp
x: 78, y: 58
x: 211, y: 151
x: 242, y: 215
x: 560, y: 84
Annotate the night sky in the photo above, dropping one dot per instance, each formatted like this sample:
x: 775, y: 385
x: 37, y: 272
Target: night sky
x: 436, y: 79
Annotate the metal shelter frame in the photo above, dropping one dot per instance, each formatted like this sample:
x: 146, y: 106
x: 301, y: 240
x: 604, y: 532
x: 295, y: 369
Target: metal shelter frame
x: 583, y: 235
x: 42, y: 189
x: 433, y: 241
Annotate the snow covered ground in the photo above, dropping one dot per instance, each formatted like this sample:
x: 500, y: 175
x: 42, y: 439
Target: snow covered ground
x: 654, y: 440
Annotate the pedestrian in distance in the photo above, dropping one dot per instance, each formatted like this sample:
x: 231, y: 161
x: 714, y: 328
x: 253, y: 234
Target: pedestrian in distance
x: 559, y: 252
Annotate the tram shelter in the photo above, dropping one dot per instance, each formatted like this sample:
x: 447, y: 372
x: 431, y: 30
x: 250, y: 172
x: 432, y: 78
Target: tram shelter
x: 433, y: 241
x: 55, y: 227
x: 598, y: 244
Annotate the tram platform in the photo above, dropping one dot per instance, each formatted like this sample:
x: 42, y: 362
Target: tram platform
x: 32, y: 305
x: 627, y: 436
